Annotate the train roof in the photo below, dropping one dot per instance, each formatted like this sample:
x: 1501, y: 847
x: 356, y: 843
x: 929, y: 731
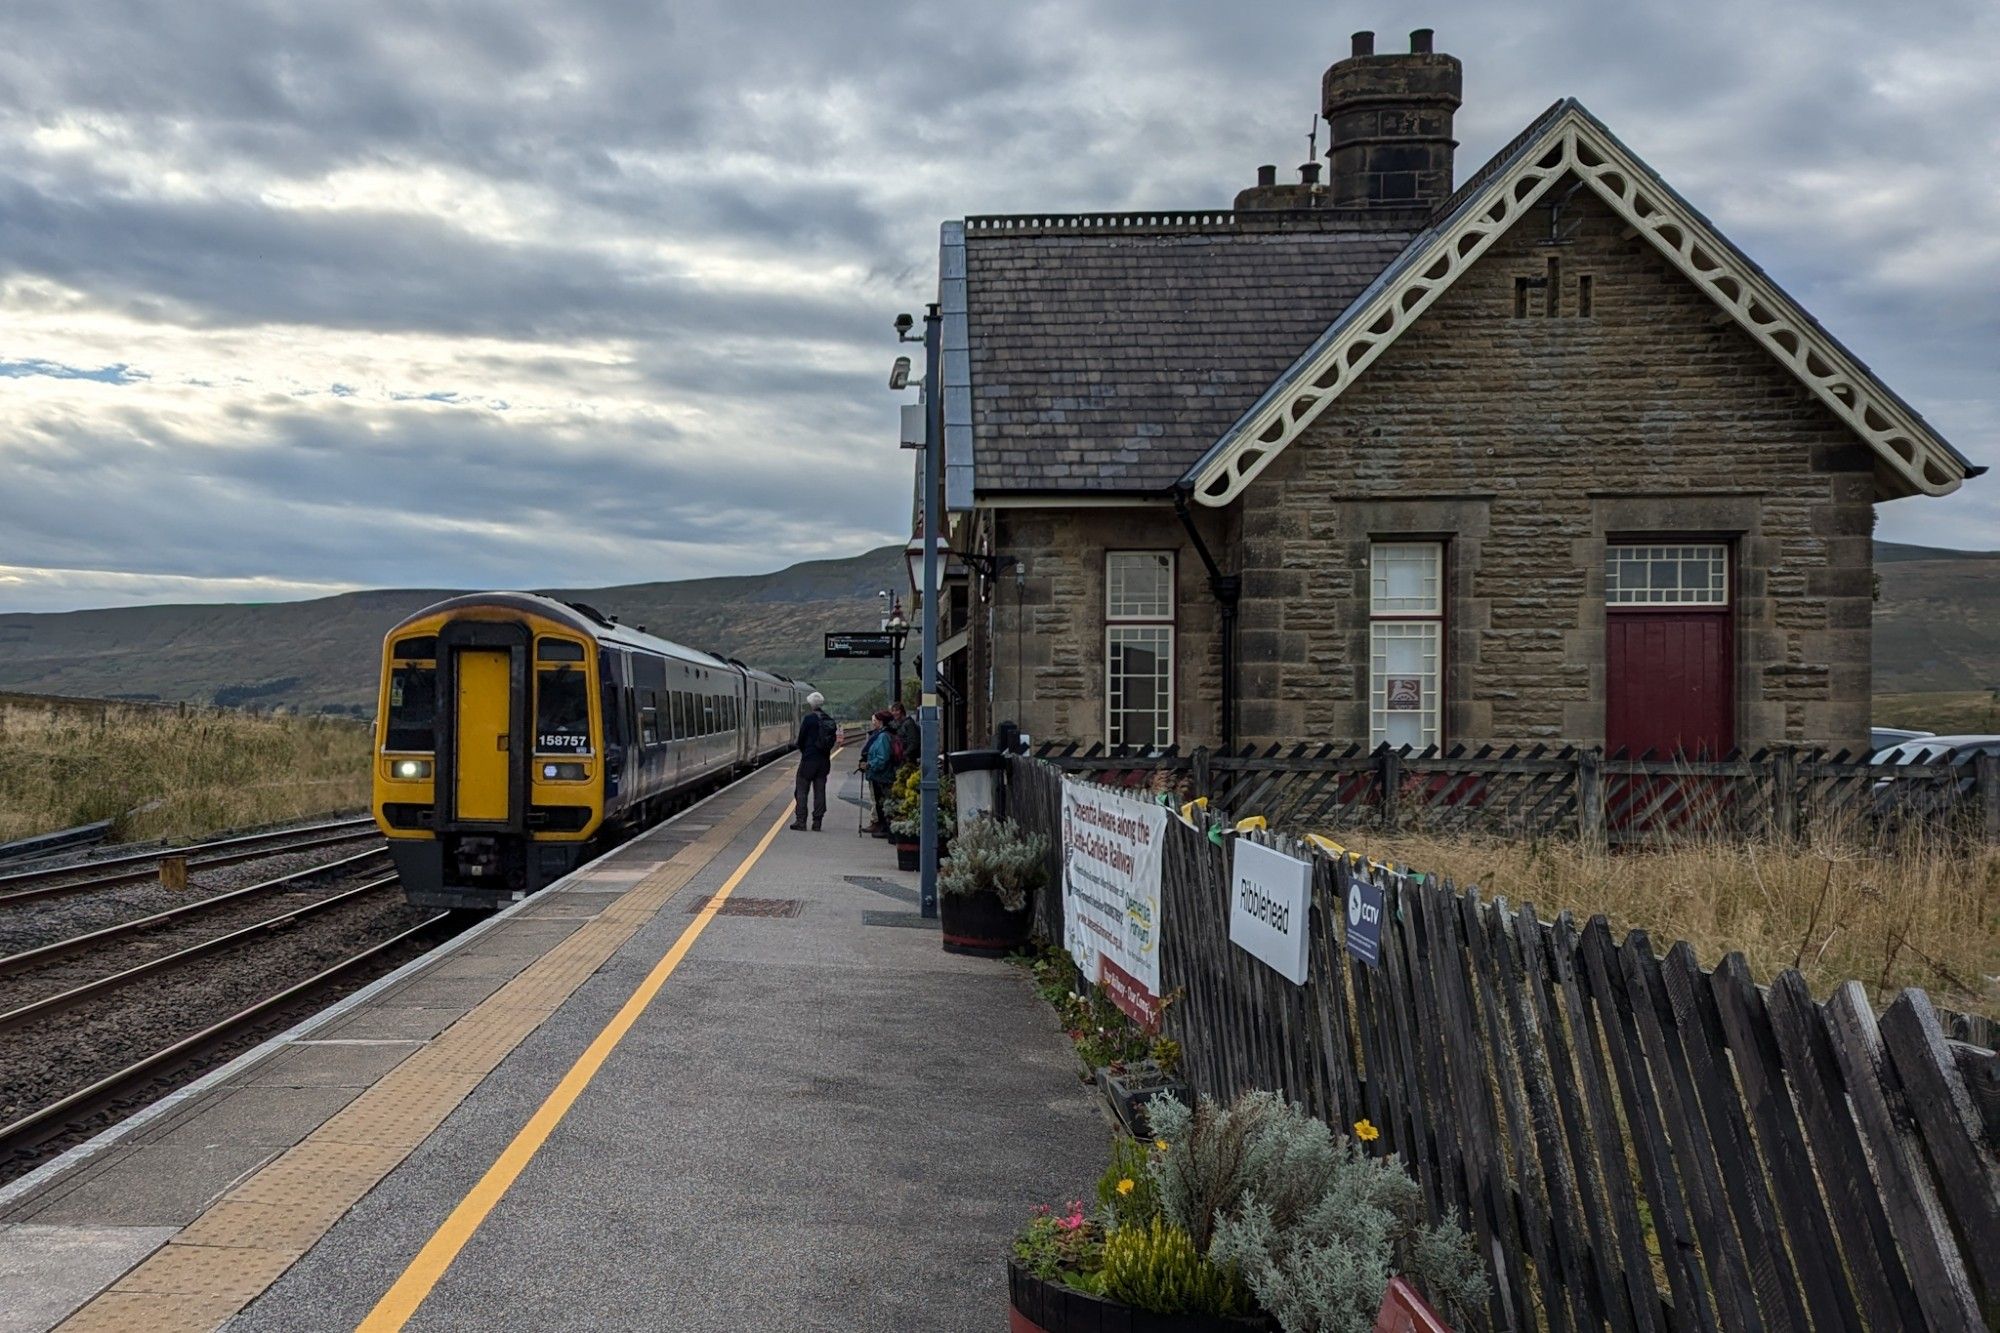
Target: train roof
x: 578, y: 616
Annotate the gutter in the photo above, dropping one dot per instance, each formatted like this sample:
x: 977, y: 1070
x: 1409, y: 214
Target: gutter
x: 1228, y: 591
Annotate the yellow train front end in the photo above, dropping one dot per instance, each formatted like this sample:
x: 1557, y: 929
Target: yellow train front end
x: 489, y: 770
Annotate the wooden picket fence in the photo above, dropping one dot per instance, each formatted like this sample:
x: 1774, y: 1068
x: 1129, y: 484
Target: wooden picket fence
x: 1544, y: 791
x: 1636, y: 1143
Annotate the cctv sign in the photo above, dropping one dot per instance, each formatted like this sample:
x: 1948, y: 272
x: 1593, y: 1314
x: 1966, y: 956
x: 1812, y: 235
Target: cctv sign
x: 1363, y: 916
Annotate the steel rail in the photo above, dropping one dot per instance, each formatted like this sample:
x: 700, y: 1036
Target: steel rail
x: 191, y: 849
x: 55, y: 1118
x: 124, y: 877
x: 32, y: 958
x: 69, y: 999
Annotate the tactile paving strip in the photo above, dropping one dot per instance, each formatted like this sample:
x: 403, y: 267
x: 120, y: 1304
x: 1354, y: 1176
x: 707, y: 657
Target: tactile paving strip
x: 246, y: 1240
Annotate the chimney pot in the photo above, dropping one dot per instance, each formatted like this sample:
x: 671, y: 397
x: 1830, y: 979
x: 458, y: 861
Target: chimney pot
x: 1364, y: 43
x: 1267, y: 176
x: 1309, y: 174
x: 1420, y: 42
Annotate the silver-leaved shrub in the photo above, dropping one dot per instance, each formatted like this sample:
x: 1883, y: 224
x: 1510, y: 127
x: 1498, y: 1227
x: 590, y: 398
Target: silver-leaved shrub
x: 992, y: 856
x: 1313, y: 1225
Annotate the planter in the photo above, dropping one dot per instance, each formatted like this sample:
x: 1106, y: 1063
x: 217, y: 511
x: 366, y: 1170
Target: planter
x: 1130, y: 1089
x: 907, y: 854
x: 1037, y: 1305
x: 976, y: 923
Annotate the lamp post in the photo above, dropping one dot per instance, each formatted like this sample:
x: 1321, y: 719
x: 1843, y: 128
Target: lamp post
x: 898, y: 626
x: 931, y: 527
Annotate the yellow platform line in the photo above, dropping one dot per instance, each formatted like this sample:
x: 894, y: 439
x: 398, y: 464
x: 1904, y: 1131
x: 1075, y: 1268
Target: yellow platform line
x: 428, y: 1268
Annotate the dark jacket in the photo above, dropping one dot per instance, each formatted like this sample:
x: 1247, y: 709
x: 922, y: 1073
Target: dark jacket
x: 818, y: 735
x: 910, y: 736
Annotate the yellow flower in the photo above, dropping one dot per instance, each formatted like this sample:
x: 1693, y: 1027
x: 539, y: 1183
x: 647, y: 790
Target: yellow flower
x: 1366, y: 1132
x: 1161, y: 1144
x: 1125, y: 1185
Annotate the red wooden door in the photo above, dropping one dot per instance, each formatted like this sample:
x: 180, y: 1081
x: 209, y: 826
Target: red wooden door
x: 1670, y: 678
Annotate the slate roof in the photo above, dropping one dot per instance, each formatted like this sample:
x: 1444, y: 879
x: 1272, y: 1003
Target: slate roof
x: 1108, y: 352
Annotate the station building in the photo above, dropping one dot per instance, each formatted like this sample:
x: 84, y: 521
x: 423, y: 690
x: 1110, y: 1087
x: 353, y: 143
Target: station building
x: 1535, y: 454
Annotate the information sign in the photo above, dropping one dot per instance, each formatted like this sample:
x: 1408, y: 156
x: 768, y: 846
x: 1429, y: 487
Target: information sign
x: 1270, y: 907
x: 1364, y: 917
x: 866, y: 644
x: 1112, y: 846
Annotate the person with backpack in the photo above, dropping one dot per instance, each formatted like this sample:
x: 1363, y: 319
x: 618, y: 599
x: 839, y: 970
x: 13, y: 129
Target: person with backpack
x: 819, y: 734
x: 878, y: 765
x: 909, y: 749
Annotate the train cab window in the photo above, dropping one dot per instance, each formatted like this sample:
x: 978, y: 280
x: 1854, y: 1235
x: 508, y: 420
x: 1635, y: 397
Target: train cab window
x: 412, y: 708
x: 562, y: 711
x: 421, y: 647
x: 558, y: 650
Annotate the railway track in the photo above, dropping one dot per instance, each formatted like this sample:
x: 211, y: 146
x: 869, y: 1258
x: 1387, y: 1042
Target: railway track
x: 136, y: 1081
x: 33, y: 885
x: 29, y: 960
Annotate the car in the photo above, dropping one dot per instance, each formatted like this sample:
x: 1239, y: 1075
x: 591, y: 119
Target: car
x: 1881, y: 738
x: 1925, y: 748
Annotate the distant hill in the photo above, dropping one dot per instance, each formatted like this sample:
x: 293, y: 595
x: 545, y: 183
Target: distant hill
x: 1937, y: 628
x: 1937, y: 619
x: 321, y: 654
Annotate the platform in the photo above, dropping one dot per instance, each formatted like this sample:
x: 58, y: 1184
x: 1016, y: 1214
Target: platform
x: 617, y: 1105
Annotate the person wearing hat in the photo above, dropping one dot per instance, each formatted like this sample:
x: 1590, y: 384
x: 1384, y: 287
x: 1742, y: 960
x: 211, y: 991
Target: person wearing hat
x: 819, y: 734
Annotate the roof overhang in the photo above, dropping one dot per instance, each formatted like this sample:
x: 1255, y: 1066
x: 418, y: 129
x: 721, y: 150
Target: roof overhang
x: 1911, y: 457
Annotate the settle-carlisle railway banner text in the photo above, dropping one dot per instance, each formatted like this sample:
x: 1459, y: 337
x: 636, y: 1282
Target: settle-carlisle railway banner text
x: 1112, y: 847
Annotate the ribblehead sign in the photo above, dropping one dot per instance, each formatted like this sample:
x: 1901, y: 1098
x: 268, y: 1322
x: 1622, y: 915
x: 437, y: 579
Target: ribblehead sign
x: 1270, y: 907
x: 1111, y: 893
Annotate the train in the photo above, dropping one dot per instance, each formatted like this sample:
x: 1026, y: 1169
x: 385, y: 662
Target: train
x: 517, y: 736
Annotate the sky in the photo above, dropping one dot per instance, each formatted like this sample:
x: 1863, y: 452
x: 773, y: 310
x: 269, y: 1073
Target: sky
x: 296, y: 298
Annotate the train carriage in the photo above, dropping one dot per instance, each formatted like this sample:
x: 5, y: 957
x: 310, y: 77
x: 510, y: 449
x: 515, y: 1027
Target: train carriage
x: 517, y: 735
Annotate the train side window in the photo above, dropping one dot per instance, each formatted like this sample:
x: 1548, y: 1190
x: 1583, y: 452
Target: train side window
x: 649, y: 724
x: 412, y: 709
x: 680, y: 714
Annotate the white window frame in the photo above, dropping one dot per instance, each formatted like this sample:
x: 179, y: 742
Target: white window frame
x: 1711, y: 557
x: 1156, y: 622
x: 1404, y: 617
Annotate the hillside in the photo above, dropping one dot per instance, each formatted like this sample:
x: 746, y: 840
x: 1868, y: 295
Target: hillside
x: 1937, y: 631
x: 321, y: 654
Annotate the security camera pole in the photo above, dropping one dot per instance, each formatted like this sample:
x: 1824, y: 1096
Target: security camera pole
x: 927, y: 714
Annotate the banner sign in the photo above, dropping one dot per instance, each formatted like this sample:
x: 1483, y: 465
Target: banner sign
x: 1112, y: 846
x: 1364, y: 917
x: 1270, y: 907
x: 862, y: 645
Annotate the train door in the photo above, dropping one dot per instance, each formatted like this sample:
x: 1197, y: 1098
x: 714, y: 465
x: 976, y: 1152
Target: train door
x: 483, y: 733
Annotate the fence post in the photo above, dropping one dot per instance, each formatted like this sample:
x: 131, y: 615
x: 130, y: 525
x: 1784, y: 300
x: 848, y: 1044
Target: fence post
x: 1388, y: 780
x: 1590, y: 797
x: 1785, y: 793
x: 1201, y: 779
x: 1986, y: 781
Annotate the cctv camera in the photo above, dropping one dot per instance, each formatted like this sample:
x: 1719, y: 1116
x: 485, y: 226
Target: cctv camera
x: 904, y: 324
x: 899, y: 374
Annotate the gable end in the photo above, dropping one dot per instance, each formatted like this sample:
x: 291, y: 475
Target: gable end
x: 1911, y: 458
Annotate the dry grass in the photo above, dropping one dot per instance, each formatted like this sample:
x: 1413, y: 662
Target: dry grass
x: 163, y: 775
x: 1960, y: 713
x: 1923, y: 914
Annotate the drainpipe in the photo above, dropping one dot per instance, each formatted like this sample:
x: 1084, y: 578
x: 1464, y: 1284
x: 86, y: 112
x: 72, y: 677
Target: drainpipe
x: 1228, y: 591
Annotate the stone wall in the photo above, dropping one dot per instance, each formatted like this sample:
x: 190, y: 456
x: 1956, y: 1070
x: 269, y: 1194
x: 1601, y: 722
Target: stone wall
x: 1048, y: 635
x: 1525, y: 443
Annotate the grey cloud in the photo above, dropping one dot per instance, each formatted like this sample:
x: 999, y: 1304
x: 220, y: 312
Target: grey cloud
x: 828, y: 138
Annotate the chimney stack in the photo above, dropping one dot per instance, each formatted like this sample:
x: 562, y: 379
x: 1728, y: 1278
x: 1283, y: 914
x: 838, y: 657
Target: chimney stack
x: 1389, y: 125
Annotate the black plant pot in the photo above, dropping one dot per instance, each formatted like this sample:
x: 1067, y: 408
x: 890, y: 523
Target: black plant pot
x: 1037, y: 1305
x: 976, y: 923
x: 1131, y: 1089
x: 908, y: 855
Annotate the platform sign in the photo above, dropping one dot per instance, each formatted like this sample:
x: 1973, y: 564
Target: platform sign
x: 1270, y: 907
x: 1112, y: 846
x: 1364, y: 916
x: 866, y: 644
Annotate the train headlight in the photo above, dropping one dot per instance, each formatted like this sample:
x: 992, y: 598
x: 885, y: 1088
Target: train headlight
x: 564, y: 772
x: 411, y: 770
